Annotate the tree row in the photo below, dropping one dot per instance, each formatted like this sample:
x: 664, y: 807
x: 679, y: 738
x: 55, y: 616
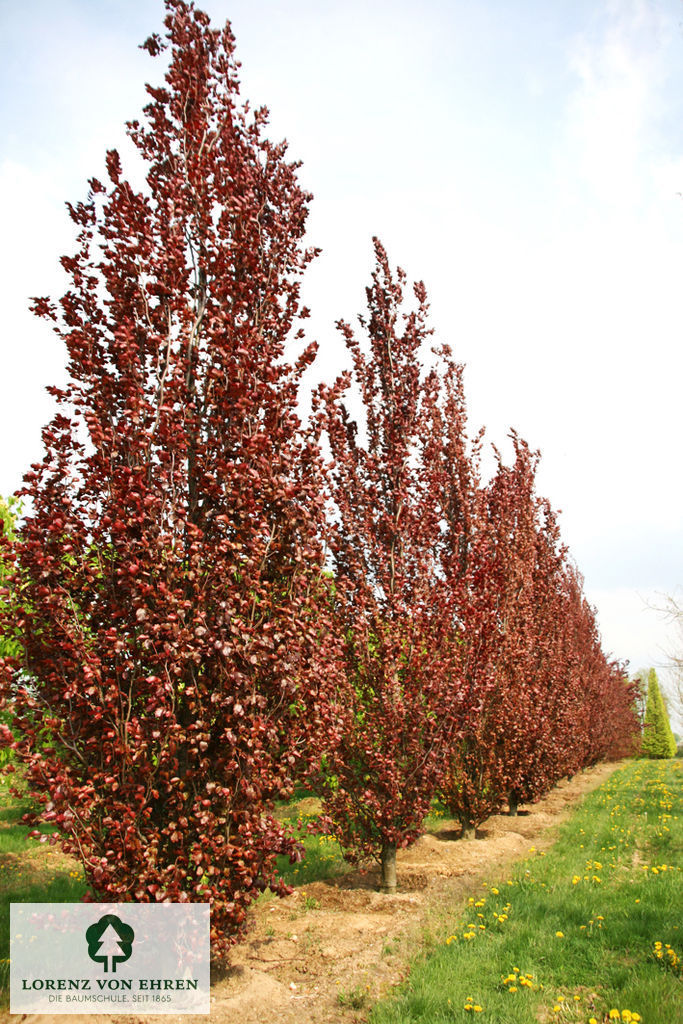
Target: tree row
x: 208, y: 601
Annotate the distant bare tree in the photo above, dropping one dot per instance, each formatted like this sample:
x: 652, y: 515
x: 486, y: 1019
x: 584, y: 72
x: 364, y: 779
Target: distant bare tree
x: 671, y: 607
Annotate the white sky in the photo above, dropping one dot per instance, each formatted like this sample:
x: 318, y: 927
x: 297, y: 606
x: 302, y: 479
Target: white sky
x: 524, y: 158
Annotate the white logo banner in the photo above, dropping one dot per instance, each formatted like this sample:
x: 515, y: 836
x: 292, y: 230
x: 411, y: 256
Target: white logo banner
x: 109, y: 958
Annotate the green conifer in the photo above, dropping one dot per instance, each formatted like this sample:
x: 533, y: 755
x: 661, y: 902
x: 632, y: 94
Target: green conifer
x: 658, y: 740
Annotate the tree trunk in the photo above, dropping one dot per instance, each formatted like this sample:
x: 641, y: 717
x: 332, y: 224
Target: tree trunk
x: 468, y: 828
x: 513, y: 805
x: 389, y: 867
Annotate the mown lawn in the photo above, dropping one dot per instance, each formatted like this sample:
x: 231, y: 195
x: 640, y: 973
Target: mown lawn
x: 592, y: 930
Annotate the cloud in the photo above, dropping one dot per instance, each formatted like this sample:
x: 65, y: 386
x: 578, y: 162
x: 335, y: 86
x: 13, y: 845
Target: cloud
x: 613, y: 111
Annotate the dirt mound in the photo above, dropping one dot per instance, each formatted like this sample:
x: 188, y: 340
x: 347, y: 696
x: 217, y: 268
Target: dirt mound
x: 319, y: 955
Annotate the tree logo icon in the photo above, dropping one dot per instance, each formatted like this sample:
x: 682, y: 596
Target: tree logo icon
x: 110, y: 942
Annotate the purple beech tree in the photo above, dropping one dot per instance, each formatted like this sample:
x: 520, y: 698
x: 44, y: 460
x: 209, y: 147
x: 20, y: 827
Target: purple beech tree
x: 379, y: 781
x: 174, y: 611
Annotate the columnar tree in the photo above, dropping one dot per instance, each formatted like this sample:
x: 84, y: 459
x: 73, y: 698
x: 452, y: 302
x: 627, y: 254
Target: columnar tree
x: 523, y: 564
x: 385, y: 528
x: 497, y: 637
x: 625, y: 729
x: 531, y: 662
x: 658, y: 740
x: 577, y: 654
x: 611, y: 706
x: 174, y: 607
x: 537, y: 678
x: 464, y: 564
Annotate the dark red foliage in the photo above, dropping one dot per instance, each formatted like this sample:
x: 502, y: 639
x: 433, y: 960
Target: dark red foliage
x: 541, y: 699
x: 385, y: 530
x: 174, y: 609
x: 494, y: 610
x: 178, y: 653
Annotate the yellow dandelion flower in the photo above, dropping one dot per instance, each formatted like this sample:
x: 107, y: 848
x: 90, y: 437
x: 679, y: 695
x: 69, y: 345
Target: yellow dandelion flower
x: 559, y: 935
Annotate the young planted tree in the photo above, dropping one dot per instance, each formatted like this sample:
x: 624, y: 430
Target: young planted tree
x: 625, y: 728
x: 611, y: 707
x: 379, y: 780
x: 542, y: 699
x: 537, y: 678
x: 498, y: 638
x: 175, y: 616
x: 592, y: 713
x: 466, y: 785
x: 658, y: 740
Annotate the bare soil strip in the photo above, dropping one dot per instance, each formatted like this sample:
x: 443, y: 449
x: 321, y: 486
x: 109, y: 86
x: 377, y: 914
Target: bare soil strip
x: 322, y: 954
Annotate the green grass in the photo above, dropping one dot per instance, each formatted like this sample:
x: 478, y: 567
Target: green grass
x: 580, y: 922
x: 322, y: 854
x: 631, y: 827
x: 25, y: 878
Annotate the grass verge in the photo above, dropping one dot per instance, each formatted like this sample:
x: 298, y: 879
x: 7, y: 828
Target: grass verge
x: 589, y: 931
